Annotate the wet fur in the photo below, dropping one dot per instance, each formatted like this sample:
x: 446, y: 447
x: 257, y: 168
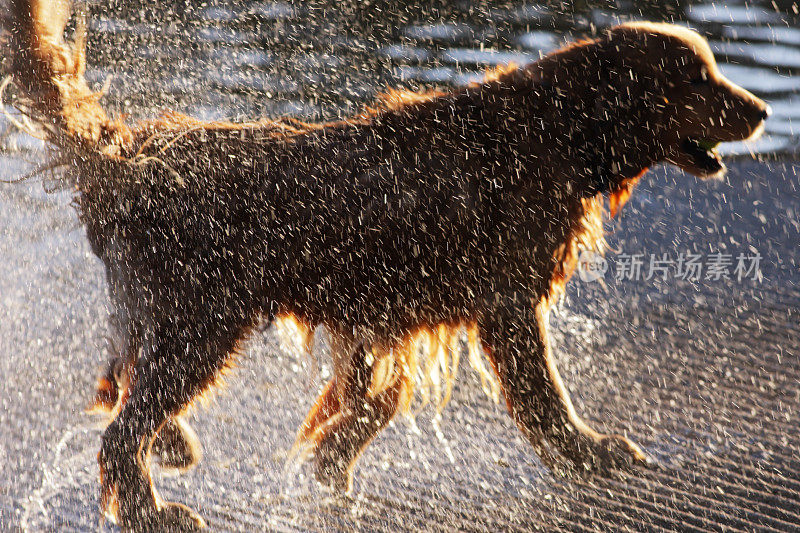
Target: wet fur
x: 396, y: 229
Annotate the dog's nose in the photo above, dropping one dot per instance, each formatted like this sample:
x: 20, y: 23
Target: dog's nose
x: 766, y: 112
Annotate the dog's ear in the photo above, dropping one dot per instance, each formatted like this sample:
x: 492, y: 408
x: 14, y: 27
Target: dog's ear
x: 618, y: 110
x: 627, y: 90
x: 620, y: 87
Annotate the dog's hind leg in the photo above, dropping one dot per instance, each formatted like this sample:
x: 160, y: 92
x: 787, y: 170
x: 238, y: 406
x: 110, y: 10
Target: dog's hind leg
x: 176, y: 446
x: 124, y: 343
x: 111, y: 385
x: 177, y: 363
x: 362, y: 415
x: 515, y: 337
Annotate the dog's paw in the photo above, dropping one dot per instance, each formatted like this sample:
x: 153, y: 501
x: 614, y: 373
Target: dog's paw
x: 176, y: 518
x: 338, y: 480
x: 331, y: 472
x: 176, y: 446
x: 620, y: 453
x: 167, y: 518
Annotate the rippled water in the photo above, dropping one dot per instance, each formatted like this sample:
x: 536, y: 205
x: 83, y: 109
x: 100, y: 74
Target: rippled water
x: 325, y: 58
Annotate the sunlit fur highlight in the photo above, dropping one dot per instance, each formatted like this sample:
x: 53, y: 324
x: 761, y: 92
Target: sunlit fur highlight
x: 427, y: 359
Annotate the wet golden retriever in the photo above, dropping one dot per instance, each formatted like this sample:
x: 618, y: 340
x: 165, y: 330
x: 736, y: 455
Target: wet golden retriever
x: 426, y: 215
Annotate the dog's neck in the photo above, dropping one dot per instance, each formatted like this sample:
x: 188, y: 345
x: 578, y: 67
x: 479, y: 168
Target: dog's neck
x: 608, y: 174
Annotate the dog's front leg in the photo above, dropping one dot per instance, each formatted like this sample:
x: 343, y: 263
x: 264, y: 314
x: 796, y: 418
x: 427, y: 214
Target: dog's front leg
x: 514, y: 335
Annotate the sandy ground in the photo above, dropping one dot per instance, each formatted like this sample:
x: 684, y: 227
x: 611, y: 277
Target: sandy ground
x: 704, y: 375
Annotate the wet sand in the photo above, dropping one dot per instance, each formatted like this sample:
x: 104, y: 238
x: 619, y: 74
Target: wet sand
x: 704, y: 375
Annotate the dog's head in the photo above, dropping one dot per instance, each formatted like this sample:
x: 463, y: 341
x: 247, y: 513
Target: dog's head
x: 687, y: 107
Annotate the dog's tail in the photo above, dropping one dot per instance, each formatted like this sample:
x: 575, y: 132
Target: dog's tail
x: 46, y: 72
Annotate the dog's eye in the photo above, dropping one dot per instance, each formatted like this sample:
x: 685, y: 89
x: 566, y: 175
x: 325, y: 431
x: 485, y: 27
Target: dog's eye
x: 702, y: 78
